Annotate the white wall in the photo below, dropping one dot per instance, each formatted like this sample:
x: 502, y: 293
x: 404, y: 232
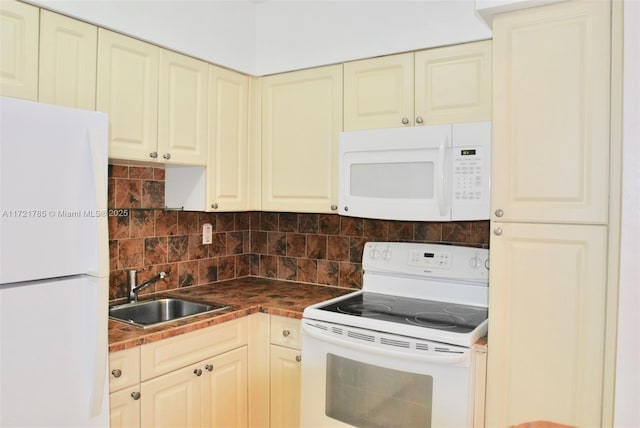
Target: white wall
x: 627, y: 395
x: 264, y: 37
x: 220, y: 32
x: 301, y: 34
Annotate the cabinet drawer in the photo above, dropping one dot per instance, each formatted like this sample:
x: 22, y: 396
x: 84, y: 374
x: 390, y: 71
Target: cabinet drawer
x: 180, y: 351
x: 124, y: 368
x: 286, y: 332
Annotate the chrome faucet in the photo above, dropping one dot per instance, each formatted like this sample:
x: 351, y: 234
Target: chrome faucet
x: 134, y: 288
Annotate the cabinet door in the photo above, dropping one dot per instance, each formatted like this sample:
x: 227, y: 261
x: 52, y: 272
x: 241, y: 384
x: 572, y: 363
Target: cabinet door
x: 68, y: 50
x: 124, y: 408
x: 182, y: 114
x: 301, y: 120
x: 378, y: 92
x: 551, y: 114
x: 127, y: 90
x: 225, y: 390
x: 174, y: 399
x: 547, y: 307
x: 285, y: 387
x: 19, y: 23
x: 124, y: 368
x: 453, y: 84
x: 227, y: 179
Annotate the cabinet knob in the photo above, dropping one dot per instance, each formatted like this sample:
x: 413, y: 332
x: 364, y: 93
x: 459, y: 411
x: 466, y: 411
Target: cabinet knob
x: 497, y: 231
x: 209, y: 367
x: 499, y: 213
x: 214, y: 206
x: 405, y: 121
x: 286, y: 333
x: 419, y: 119
x: 135, y: 395
x: 298, y: 358
x: 334, y: 207
x: 197, y: 372
x: 116, y: 373
x: 153, y: 155
x: 167, y: 156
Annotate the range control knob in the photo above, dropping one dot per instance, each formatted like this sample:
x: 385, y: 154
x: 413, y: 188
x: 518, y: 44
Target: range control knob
x: 374, y: 254
x: 386, y: 255
x: 476, y: 262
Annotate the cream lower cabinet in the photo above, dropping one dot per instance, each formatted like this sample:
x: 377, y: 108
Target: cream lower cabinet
x: 275, y: 368
x: 301, y: 120
x: 197, y: 379
x: 443, y: 85
x: 547, y: 318
x: 285, y: 372
x: 210, y: 393
x: 19, y: 23
x: 124, y: 387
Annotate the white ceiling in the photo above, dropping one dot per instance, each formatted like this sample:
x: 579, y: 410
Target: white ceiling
x: 262, y: 37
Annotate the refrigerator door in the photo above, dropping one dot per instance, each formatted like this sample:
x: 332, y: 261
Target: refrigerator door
x: 48, y: 354
x: 53, y: 181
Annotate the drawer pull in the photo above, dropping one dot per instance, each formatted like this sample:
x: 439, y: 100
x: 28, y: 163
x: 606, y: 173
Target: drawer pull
x: 298, y: 358
x: 116, y: 373
x: 135, y: 395
x: 286, y: 333
x: 197, y: 372
x: 209, y: 367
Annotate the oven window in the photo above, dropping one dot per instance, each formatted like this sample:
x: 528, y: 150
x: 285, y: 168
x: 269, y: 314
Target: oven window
x: 405, y: 180
x: 366, y: 396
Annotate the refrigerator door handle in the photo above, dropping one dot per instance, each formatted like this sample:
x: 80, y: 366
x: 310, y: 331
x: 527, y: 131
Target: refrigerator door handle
x: 102, y: 344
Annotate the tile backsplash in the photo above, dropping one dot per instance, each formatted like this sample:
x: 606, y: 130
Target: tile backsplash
x: 313, y: 248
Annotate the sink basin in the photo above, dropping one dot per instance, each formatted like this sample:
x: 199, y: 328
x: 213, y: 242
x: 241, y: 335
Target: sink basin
x: 151, y: 313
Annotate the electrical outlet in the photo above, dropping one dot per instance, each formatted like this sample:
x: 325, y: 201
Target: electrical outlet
x: 207, y: 233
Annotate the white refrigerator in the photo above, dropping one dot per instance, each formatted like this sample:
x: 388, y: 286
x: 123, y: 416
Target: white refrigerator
x: 54, y: 266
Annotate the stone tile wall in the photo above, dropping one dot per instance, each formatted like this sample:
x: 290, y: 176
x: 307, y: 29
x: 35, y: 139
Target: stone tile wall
x: 313, y: 248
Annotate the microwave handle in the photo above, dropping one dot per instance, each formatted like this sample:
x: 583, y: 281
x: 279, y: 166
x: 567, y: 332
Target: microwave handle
x: 440, y: 190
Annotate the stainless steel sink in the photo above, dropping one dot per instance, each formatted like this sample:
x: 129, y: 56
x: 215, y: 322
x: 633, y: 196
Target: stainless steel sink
x: 151, y: 313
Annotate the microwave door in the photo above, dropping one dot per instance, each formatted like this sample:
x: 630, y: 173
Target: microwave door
x: 404, y: 183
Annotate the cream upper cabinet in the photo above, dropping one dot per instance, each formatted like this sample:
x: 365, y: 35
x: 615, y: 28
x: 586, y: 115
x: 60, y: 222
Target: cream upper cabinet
x: 301, y: 120
x: 443, y: 85
x: 19, y: 24
x: 551, y: 114
x: 127, y: 90
x: 453, y: 84
x: 227, y: 172
x: 182, y: 109
x: 547, y: 306
x: 68, y: 50
x: 378, y: 92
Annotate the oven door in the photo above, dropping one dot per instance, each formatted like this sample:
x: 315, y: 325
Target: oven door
x: 354, y: 377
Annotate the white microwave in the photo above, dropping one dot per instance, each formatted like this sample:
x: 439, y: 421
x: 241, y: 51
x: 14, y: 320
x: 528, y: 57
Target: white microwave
x: 425, y: 173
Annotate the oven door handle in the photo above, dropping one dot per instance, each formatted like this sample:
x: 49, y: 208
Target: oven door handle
x: 447, y: 359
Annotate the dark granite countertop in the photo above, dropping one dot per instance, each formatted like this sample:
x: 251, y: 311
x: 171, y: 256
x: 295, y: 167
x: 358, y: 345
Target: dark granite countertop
x: 245, y: 296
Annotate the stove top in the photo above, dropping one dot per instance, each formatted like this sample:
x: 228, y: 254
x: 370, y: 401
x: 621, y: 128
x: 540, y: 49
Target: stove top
x: 451, y: 317
x: 426, y: 291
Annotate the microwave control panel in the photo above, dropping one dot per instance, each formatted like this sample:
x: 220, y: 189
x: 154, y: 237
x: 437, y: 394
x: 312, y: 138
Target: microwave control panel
x: 468, y: 173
